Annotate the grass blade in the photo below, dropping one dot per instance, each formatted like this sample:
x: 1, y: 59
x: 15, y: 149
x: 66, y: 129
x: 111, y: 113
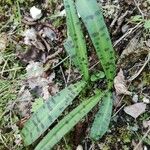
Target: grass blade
x: 75, y: 36
x: 67, y: 123
x: 94, y: 22
x: 49, y: 112
x: 102, y: 118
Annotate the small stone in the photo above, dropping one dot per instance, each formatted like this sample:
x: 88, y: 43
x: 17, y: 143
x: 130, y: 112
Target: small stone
x: 145, y: 148
x: 125, y: 28
x: 146, y: 100
x: 146, y: 124
x: 35, y: 13
x: 135, y: 98
x: 79, y: 147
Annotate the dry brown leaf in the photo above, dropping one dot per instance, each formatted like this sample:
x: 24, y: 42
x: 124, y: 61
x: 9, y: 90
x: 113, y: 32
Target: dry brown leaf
x: 43, y: 86
x: 32, y: 54
x: 31, y: 38
x: 120, y: 84
x: 30, y: 34
x: 24, y: 102
x: 135, y: 110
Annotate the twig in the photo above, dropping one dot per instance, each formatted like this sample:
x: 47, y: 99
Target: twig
x: 5, y: 64
x: 28, y: 22
x: 137, y: 5
x: 118, y: 111
x: 54, y: 55
x: 63, y: 75
x: 94, y: 65
x: 128, y: 33
x: 13, y: 69
x: 89, y: 69
x: 60, y: 62
x: 3, y: 141
x: 19, y: 13
x: 139, y: 72
x: 145, y: 135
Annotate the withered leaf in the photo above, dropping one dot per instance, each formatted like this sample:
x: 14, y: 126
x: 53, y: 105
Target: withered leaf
x: 135, y: 110
x: 120, y: 84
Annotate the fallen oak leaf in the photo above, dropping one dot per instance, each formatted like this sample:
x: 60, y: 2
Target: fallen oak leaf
x: 29, y: 34
x: 120, y: 84
x: 40, y: 85
x: 135, y: 110
x: 24, y: 101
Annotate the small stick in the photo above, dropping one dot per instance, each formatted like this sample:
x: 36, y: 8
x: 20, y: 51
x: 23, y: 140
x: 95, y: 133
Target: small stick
x: 63, y: 76
x: 137, y: 5
x: 118, y: 111
x: 145, y: 135
x: 13, y: 69
x: 60, y: 62
x: 54, y: 55
x: 139, y: 72
x: 128, y: 33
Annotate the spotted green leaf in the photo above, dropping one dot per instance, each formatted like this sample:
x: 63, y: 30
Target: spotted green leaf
x: 94, y: 22
x: 68, y: 122
x: 49, y: 112
x: 102, y: 118
x: 75, y: 45
x: 97, y: 75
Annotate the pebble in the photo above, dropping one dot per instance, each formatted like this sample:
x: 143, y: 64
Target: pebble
x: 145, y: 148
x: 146, y: 100
x: 79, y: 147
x: 135, y: 98
x: 35, y: 13
x: 125, y: 28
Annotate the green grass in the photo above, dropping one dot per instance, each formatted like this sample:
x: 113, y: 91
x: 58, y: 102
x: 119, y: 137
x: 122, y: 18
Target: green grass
x: 11, y: 75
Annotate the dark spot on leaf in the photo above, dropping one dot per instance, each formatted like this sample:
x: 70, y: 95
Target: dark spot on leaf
x: 102, y: 28
x: 103, y: 34
x: 50, y: 118
x: 77, y: 23
x: 97, y: 13
x: 53, y: 100
x: 90, y: 17
x: 49, y: 106
x: 106, y: 49
x: 42, y: 125
x: 95, y: 34
x: 67, y: 6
